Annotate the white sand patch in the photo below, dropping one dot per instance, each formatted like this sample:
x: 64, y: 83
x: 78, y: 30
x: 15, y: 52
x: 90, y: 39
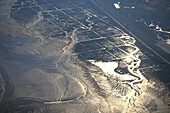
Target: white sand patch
x: 107, y: 67
x: 117, y: 5
x: 168, y: 41
x: 127, y: 77
x: 128, y: 59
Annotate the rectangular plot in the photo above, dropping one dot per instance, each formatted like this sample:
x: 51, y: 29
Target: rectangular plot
x: 118, y: 53
x: 46, y: 16
x: 80, y: 17
x: 105, y: 43
x: 77, y: 10
x: 71, y: 11
x: 91, y: 45
x: 100, y: 55
x: 48, y: 7
x: 58, y: 14
x: 67, y: 28
x: 80, y: 48
x: 40, y: 2
x: 90, y: 34
x: 87, y: 46
x: 37, y: 9
x: 56, y: 22
x: 104, y: 32
x: 115, y: 40
x: 82, y: 38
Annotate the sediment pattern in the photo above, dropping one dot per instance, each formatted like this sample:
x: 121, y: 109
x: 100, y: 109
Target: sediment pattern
x: 80, y: 56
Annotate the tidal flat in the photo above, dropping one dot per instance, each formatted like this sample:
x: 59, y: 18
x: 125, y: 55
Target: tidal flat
x: 61, y: 56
